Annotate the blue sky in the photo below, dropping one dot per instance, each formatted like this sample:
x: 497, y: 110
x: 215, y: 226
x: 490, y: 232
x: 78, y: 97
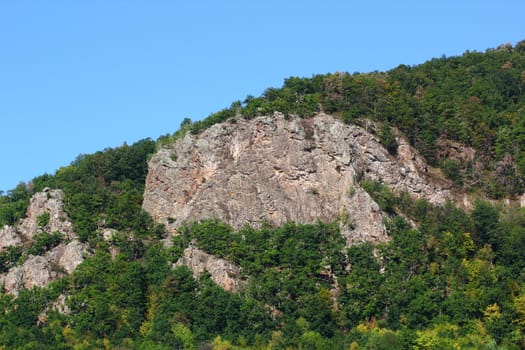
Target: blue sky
x: 80, y: 76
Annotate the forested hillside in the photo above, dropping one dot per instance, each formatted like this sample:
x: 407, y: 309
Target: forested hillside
x: 475, y: 101
x: 447, y: 278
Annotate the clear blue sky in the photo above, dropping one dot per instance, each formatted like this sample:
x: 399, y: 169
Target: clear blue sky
x: 80, y: 76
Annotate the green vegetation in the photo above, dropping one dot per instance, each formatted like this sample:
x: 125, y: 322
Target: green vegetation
x: 42, y: 220
x: 13, y: 206
x: 104, y: 188
x: 452, y: 280
x: 43, y: 242
x: 443, y: 285
x: 476, y: 100
x: 9, y: 258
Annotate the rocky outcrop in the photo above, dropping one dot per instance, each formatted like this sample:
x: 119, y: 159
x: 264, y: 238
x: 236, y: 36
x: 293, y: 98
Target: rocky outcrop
x: 39, y: 271
x: 45, y: 215
x: 9, y: 237
x: 66, y: 257
x: 48, y: 202
x: 226, y: 274
x: 35, y: 272
x: 280, y: 169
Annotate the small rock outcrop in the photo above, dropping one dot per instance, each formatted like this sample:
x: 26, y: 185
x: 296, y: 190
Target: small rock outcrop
x: 226, y: 274
x: 40, y: 270
x: 61, y: 260
x: 280, y: 169
x: 9, y: 237
x: 47, y: 202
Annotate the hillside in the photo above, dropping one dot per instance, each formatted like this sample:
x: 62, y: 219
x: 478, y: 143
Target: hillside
x: 280, y: 169
x: 377, y: 211
x: 463, y: 114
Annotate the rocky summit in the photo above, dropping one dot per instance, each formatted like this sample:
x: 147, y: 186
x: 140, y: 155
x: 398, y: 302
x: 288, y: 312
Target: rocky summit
x: 279, y: 169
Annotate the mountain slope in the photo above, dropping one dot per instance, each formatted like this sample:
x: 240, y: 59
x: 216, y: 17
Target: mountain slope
x: 351, y: 159
x: 474, y: 102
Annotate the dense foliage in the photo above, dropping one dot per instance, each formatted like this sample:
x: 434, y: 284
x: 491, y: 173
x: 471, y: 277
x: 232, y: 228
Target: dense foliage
x: 442, y: 285
x: 447, y: 279
x: 101, y: 189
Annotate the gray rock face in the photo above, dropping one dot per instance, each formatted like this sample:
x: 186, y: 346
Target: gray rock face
x: 35, y: 272
x: 281, y: 169
x: 67, y: 257
x: 226, y: 274
x: 50, y: 202
x: 9, y: 237
x: 38, y: 271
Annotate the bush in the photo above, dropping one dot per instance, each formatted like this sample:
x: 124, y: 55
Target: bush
x: 44, y: 242
x: 42, y: 220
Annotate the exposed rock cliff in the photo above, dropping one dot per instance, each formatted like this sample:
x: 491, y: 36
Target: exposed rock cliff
x: 283, y: 169
x: 57, y: 262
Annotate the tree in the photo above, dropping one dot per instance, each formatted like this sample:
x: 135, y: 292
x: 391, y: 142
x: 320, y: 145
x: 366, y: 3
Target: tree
x: 485, y: 218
